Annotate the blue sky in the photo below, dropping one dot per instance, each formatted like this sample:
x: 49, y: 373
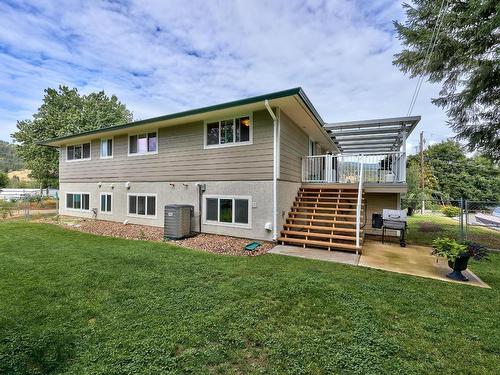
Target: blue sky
x: 165, y: 56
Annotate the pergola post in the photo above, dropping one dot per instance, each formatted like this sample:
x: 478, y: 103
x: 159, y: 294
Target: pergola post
x: 402, y: 168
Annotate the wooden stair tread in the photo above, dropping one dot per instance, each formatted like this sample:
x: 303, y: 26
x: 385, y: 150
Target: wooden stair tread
x: 333, y: 198
x: 325, y: 208
x: 317, y: 227
x: 321, y: 203
x: 320, y: 235
x: 327, y: 195
x: 320, y: 243
x: 322, y: 221
x: 320, y: 214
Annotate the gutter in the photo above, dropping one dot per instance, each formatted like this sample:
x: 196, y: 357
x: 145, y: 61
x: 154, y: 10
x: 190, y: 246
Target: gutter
x: 275, y: 168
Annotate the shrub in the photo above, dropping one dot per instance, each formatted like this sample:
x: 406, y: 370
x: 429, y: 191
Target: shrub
x: 476, y: 251
x: 450, y: 211
x: 451, y: 249
x: 448, y: 248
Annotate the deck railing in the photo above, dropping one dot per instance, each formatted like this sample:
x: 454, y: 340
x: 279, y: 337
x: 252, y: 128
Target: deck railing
x: 385, y: 168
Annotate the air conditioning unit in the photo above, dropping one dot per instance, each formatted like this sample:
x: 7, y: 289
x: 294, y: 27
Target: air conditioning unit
x: 177, y: 222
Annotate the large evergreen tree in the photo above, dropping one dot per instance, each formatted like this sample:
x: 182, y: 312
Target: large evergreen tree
x: 465, y: 59
x: 63, y: 111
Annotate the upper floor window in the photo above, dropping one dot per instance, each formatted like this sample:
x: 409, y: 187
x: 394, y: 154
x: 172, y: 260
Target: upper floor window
x: 144, y: 143
x: 106, y: 148
x: 78, y: 152
x: 228, y: 132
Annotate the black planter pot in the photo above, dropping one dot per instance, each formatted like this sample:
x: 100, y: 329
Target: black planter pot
x: 458, y: 266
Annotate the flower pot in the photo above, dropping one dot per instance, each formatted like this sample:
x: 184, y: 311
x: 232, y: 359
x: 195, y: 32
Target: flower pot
x: 459, y: 265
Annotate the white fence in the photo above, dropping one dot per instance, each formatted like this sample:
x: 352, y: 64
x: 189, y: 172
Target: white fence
x: 377, y: 168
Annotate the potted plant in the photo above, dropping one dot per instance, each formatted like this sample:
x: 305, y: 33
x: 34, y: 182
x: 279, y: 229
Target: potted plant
x: 458, y: 255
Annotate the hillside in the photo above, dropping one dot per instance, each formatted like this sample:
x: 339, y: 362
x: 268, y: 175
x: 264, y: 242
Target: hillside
x: 9, y: 161
x: 22, y: 175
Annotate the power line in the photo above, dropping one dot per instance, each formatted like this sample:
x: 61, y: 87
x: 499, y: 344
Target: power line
x: 430, y: 49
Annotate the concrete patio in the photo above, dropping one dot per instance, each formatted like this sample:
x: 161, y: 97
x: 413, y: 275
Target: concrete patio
x: 411, y: 260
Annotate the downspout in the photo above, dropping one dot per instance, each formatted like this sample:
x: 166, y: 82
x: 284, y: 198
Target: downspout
x: 275, y: 169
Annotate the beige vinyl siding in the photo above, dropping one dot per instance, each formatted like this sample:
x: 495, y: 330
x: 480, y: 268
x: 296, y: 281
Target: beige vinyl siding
x: 181, y: 157
x: 293, y: 146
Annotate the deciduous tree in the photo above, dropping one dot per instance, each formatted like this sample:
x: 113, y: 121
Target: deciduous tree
x: 63, y: 111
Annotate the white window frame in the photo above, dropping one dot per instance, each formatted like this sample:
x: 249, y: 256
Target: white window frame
x: 144, y: 153
x: 234, y: 144
x: 223, y: 224
x: 112, y: 203
x: 81, y: 200
x: 81, y: 159
x: 144, y: 195
x: 112, y: 147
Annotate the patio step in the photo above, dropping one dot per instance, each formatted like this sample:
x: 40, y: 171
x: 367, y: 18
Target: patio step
x: 322, y: 244
x: 303, y: 234
x: 325, y: 218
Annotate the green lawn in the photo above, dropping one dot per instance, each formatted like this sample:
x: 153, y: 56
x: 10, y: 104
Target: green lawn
x: 419, y: 233
x: 75, y: 303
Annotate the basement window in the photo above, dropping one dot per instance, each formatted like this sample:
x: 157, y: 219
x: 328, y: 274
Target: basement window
x: 228, y: 210
x: 142, y: 205
x: 78, y: 201
x: 106, y: 201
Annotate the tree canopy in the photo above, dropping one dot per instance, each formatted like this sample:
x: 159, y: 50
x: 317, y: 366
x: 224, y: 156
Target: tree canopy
x: 466, y: 60
x: 63, y: 111
x: 450, y: 174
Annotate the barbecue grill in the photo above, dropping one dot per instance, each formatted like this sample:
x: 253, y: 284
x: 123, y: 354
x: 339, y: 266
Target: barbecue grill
x: 395, y: 220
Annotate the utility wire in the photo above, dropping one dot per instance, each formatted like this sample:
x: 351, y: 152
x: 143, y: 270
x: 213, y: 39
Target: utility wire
x: 430, y: 49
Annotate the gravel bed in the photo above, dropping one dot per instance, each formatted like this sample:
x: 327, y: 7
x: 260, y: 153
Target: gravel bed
x: 213, y: 243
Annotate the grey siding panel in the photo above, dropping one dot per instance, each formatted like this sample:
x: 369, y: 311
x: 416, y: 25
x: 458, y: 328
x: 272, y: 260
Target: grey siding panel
x: 181, y: 157
x: 294, y: 144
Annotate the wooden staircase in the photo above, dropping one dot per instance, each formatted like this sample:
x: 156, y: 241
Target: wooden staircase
x: 324, y: 217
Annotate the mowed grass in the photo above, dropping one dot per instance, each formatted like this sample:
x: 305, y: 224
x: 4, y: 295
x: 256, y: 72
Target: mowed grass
x: 76, y: 303
x: 419, y: 233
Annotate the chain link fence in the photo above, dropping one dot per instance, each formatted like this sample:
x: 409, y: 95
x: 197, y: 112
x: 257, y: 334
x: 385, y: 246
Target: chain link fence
x: 28, y: 207
x: 463, y: 220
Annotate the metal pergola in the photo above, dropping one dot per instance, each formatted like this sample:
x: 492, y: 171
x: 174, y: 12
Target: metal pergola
x: 380, y: 135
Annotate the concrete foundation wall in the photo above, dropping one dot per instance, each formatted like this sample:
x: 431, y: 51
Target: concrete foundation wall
x: 287, y: 191
x: 180, y: 193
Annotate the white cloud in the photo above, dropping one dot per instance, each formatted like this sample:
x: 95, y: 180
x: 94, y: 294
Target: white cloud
x: 164, y: 56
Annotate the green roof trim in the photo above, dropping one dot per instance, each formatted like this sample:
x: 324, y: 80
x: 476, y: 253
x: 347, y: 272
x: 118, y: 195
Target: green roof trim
x: 274, y: 95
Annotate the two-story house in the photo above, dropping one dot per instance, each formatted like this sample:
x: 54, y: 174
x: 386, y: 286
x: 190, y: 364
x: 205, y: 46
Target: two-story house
x: 266, y: 167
